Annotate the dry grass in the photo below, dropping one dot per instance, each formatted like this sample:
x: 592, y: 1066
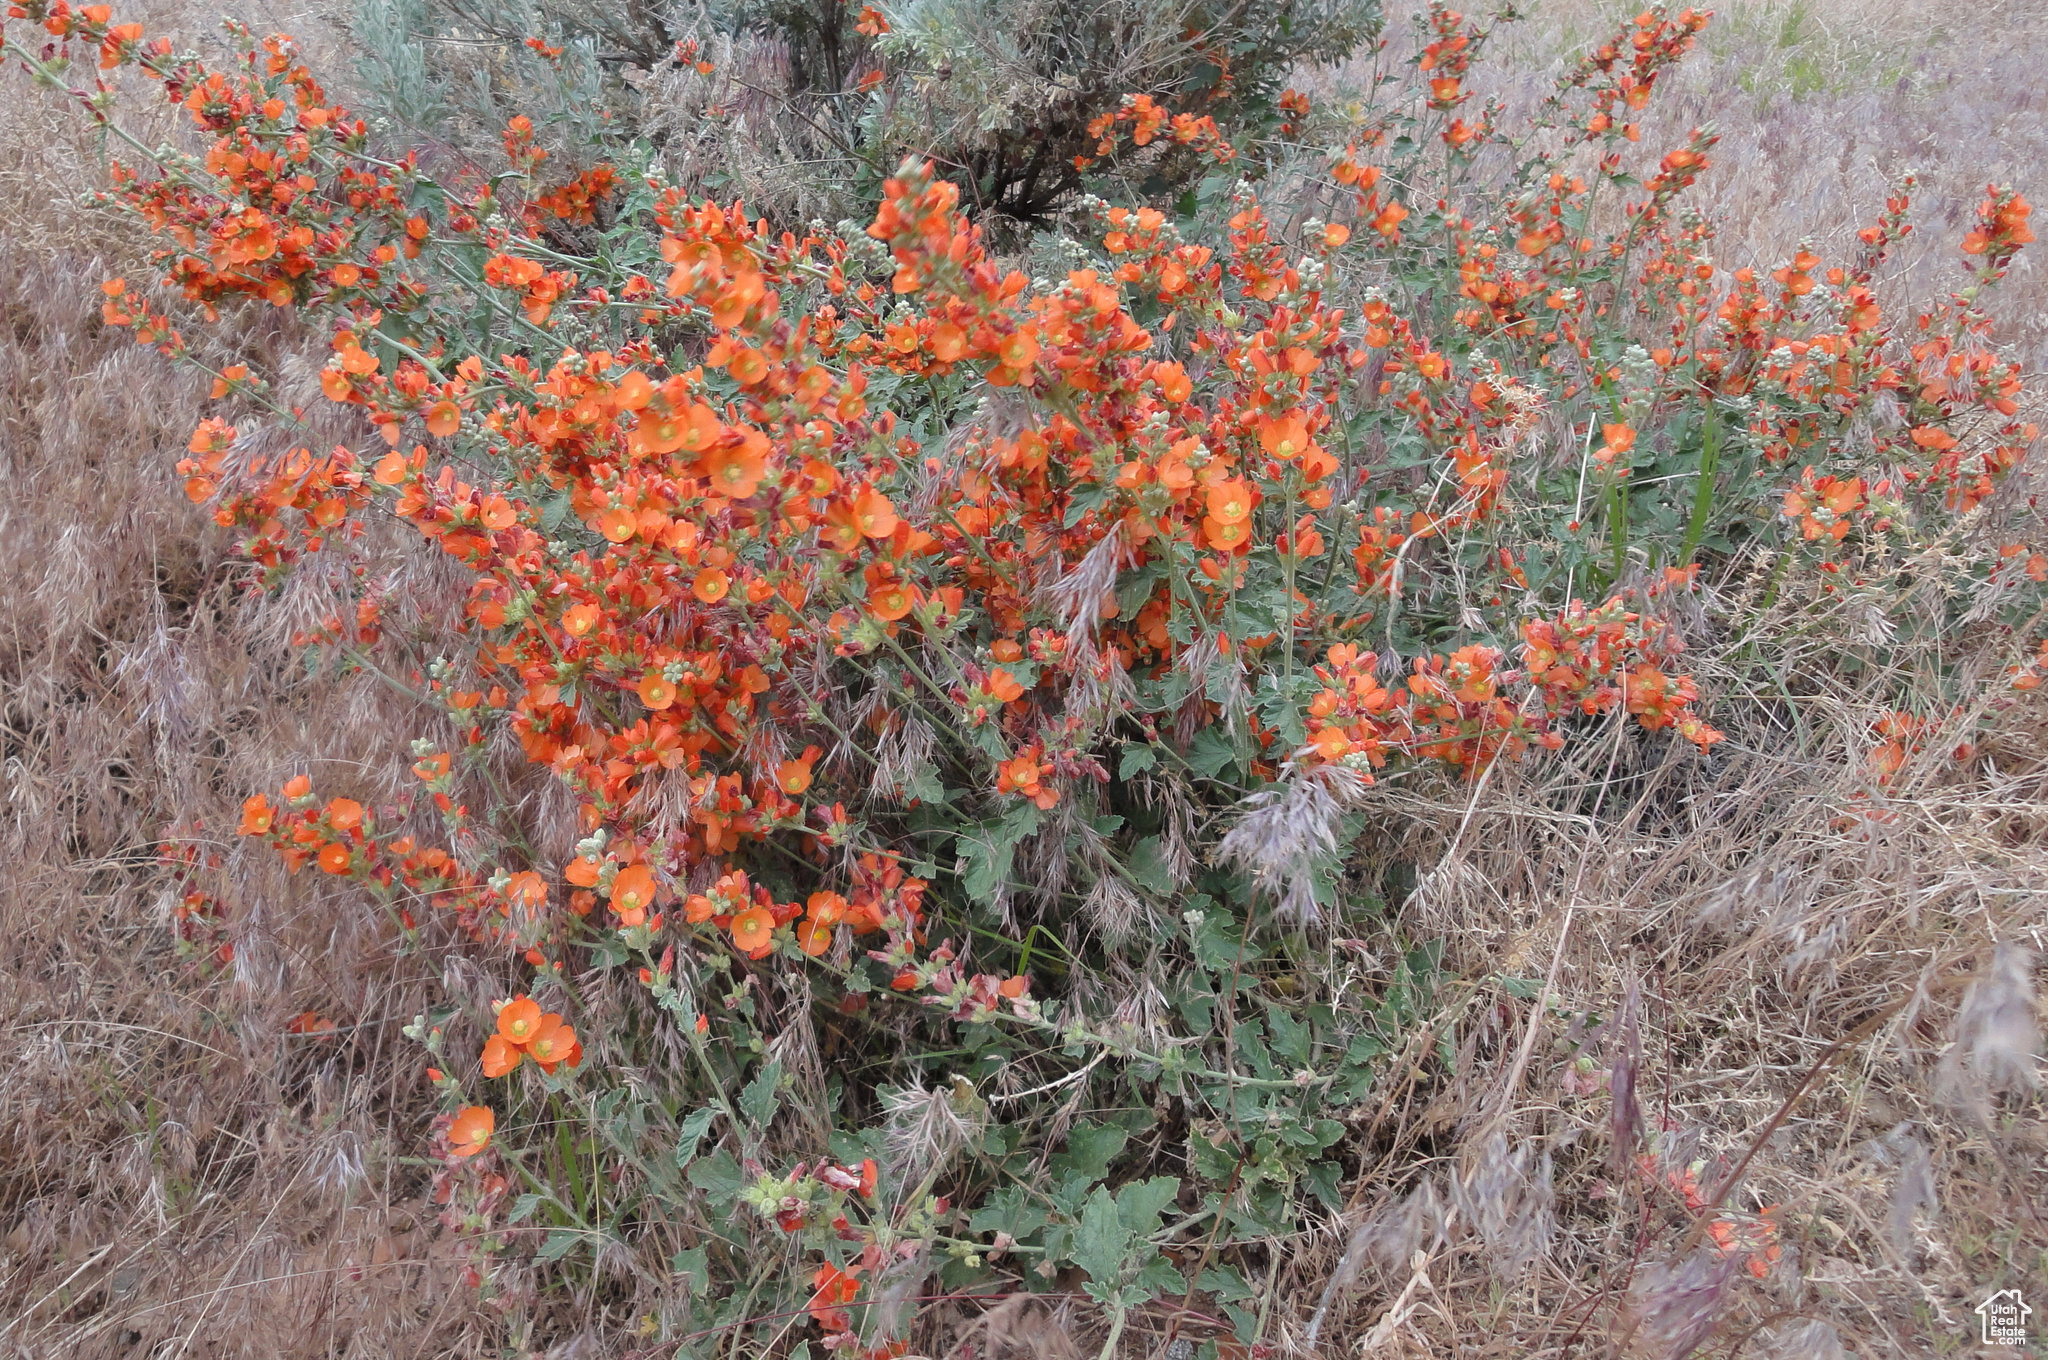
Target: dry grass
x: 179, y: 1174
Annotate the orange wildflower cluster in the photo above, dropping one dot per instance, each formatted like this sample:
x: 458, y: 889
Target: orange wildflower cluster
x: 741, y: 501
x: 1147, y: 120
x: 1619, y: 76
x: 1596, y: 660
x: 1462, y: 709
x: 525, y: 1031
x: 705, y: 531
x: 1753, y: 1237
x: 340, y: 838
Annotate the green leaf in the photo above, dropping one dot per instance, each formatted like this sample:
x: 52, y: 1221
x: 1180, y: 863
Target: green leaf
x: 1141, y: 1203
x: 759, y: 1098
x: 692, y: 1133
x: 719, y: 1177
x: 1011, y: 1210
x: 986, y: 851
x: 1089, y: 498
x: 522, y: 1208
x: 1135, y: 588
x: 1147, y: 867
x: 1212, y: 1161
x: 1090, y: 1149
x: 1220, y: 947
x: 1160, y: 1276
x: 1101, y: 1242
x: 1210, y: 753
x: 1136, y: 760
x: 1322, y: 1179
x: 925, y: 785
x: 1290, y: 1036
x: 1225, y: 1283
x: 691, y: 1267
x: 984, y: 866
x: 558, y: 1244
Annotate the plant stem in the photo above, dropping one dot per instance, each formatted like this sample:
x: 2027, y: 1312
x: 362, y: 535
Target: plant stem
x: 1703, y: 492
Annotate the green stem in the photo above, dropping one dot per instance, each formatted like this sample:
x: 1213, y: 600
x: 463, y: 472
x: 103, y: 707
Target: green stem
x: 1703, y: 492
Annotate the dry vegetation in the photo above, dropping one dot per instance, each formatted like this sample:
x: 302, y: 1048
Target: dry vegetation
x: 180, y: 1174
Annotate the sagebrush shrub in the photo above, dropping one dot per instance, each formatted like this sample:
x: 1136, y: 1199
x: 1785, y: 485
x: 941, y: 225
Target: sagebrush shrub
x: 966, y: 686
x: 813, y: 103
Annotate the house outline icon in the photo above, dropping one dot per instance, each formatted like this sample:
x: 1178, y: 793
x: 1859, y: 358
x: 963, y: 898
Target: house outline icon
x: 2008, y: 1312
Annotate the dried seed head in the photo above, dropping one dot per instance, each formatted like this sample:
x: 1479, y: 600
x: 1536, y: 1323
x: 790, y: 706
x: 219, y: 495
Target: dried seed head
x: 1507, y: 1199
x: 1997, y: 1032
x: 1282, y: 835
x: 1679, y: 1306
x: 925, y: 1129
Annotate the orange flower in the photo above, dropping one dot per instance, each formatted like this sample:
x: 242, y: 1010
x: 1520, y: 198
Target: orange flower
x: 471, y: 1131
x: 256, y: 815
x: 345, y: 813
x: 874, y: 514
x: 794, y: 776
x: 498, y: 513
x: 634, y: 391
x: 1018, y: 349
x: 518, y: 1020
x: 710, y: 585
x: 814, y: 937
x: 580, y: 618
x: 1231, y: 502
x: 1226, y: 536
x: 736, y: 470
x: 443, y: 419
x: 633, y: 893
x: 1174, y: 387
x: 753, y: 930
x: 693, y: 427
x: 527, y: 888
x: 1018, y: 776
x: 335, y: 859
x: 501, y: 1055
x: 890, y: 600
x: 552, y: 1043
x: 834, y: 1286
x: 656, y: 690
x: 1283, y: 437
